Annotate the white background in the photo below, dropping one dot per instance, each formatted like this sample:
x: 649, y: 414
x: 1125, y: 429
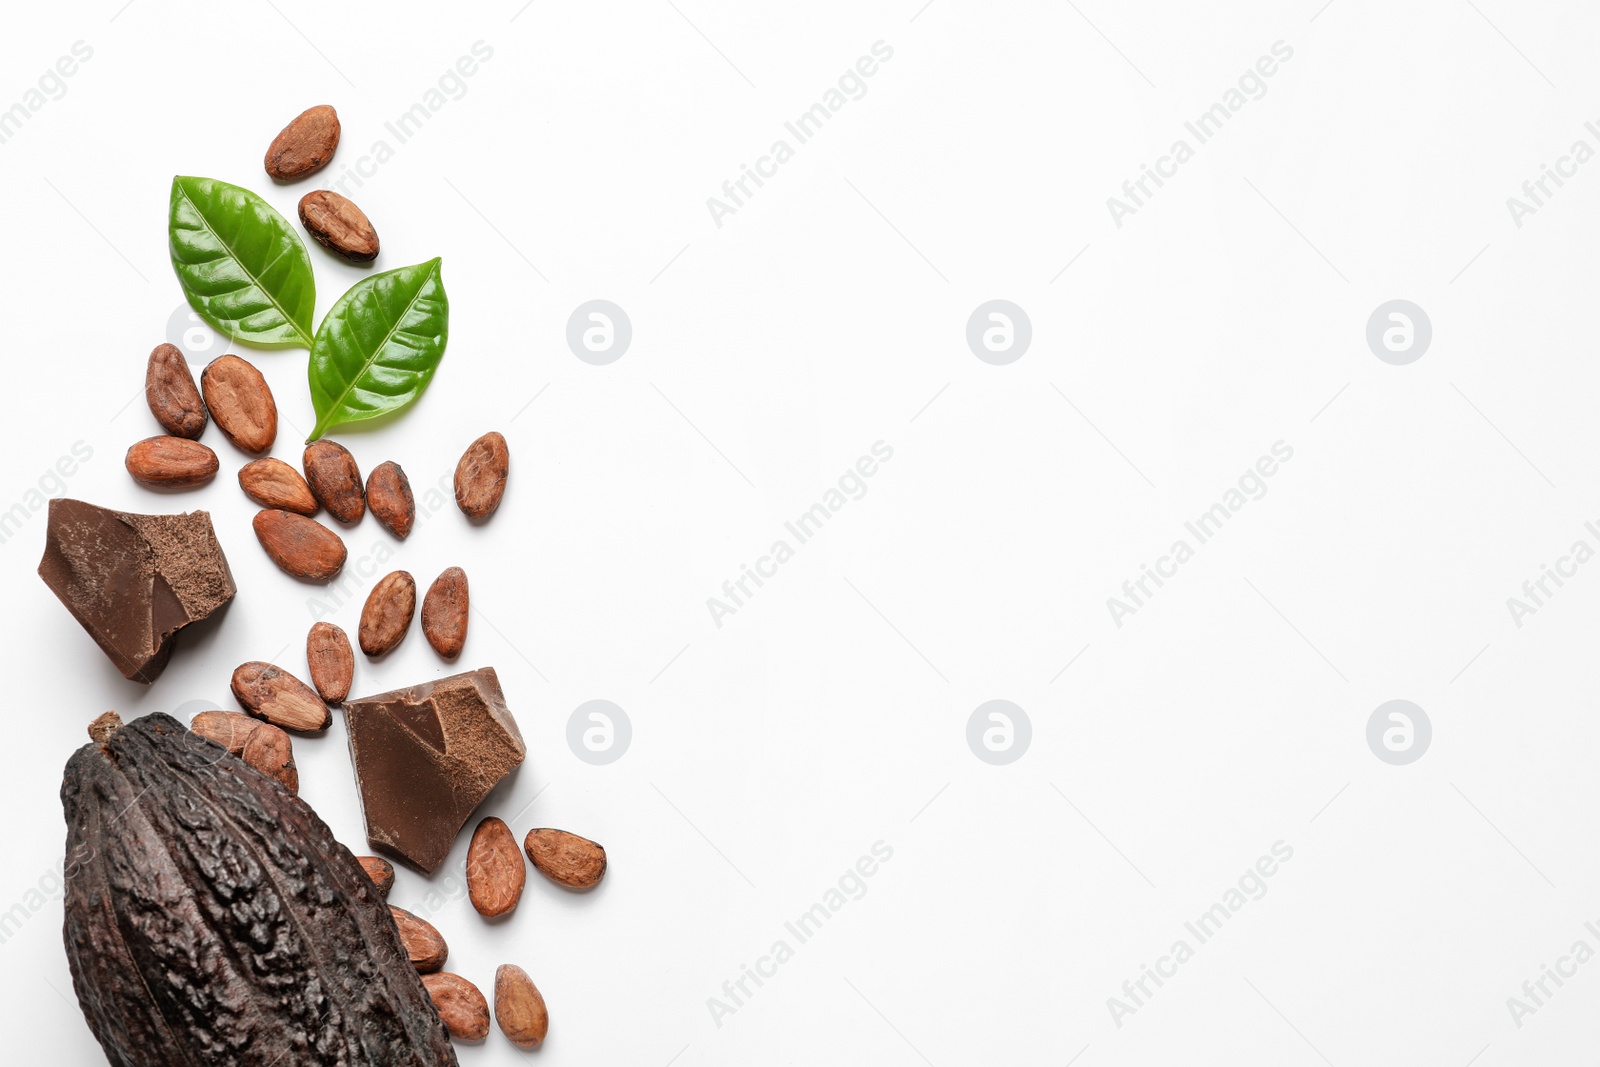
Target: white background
x: 827, y: 314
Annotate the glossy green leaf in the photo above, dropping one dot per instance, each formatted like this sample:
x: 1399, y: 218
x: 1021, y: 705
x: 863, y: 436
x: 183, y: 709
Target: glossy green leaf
x: 242, y: 266
x: 378, y: 347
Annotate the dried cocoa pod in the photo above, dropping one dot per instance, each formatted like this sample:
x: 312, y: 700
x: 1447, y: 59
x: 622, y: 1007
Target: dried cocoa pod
x: 519, y: 1007
x: 339, y: 226
x: 171, y: 463
x: 212, y: 918
x: 461, y: 1005
x: 566, y: 859
x: 335, y: 480
x: 381, y: 871
x: 389, y: 497
x: 481, y: 476
x: 386, y: 616
x: 444, y: 613
x: 173, y: 397
x: 272, y: 483
x: 302, y: 547
x: 495, y: 870
x: 424, y: 944
x: 240, y: 403
x: 269, y: 692
x: 305, y: 145
x: 332, y: 663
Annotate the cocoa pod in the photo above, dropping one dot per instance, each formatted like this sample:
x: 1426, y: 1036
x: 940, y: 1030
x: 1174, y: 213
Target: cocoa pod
x: 339, y: 226
x: 424, y: 944
x: 390, y: 500
x: 305, y: 145
x: 230, y: 729
x: 481, y: 476
x: 381, y: 871
x: 461, y: 1005
x: 269, y: 750
x: 272, y: 483
x: 300, y: 546
x: 240, y: 403
x: 269, y: 692
x: 173, y: 397
x: 495, y: 870
x: 444, y: 613
x: 335, y: 480
x: 566, y: 859
x: 386, y: 616
x: 204, y: 905
x: 171, y: 463
x: 519, y: 1007
x: 331, y: 661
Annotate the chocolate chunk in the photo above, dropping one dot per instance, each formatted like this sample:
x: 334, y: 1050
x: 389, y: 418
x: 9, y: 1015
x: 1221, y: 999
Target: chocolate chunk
x: 134, y: 581
x: 426, y: 756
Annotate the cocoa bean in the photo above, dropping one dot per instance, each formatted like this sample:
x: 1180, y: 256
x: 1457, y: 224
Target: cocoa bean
x: 173, y: 397
x: 305, y: 145
x: 240, y: 403
x: 171, y: 463
x: 335, y: 480
x: 444, y: 613
x: 302, y: 547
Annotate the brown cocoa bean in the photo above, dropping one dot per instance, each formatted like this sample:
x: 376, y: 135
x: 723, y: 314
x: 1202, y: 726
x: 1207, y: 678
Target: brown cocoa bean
x: 481, y: 476
x: 300, y: 546
x: 386, y: 616
x: 444, y: 613
x: 461, y: 1005
x: 272, y: 483
x: 305, y: 145
x: 390, y: 500
x: 339, y: 226
x: 269, y: 750
x: 331, y: 661
x: 519, y: 1007
x: 335, y: 480
x: 566, y: 859
x: 173, y: 397
x: 269, y: 692
x: 171, y: 463
x: 240, y: 403
x: 424, y: 944
x: 230, y: 729
x: 381, y: 871
x: 496, y: 872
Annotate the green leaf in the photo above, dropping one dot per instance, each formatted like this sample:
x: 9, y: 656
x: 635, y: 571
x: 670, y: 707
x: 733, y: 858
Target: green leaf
x: 241, y: 265
x: 378, y: 347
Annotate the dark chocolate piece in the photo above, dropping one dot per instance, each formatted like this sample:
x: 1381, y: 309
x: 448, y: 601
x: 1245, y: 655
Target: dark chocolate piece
x: 426, y: 756
x: 133, y: 581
